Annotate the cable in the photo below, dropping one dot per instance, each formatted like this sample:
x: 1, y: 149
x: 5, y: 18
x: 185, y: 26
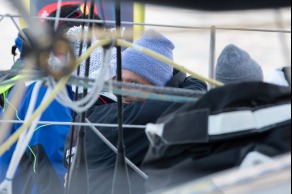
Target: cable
x: 86, y: 82
x: 114, y: 149
x: 9, y: 114
x: 102, y: 12
x: 23, y: 140
x: 87, y: 102
x: 17, y: 116
x: 22, y: 78
x: 58, y: 14
x: 152, y: 96
x: 175, y: 94
x: 121, y: 182
x: 77, y: 124
x: 20, y: 145
x: 6, y: 88
x: 73, y: 130
x: 162, y: 90
x: 160, y: 25
x: 78, y: 181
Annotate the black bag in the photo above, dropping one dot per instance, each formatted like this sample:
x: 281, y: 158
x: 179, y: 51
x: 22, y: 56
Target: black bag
x: 232, y: 126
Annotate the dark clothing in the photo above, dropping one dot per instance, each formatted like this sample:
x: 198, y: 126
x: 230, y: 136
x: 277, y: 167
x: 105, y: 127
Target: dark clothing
x: 228, y: 125
x: 41, y: 170
x: 101, y: 159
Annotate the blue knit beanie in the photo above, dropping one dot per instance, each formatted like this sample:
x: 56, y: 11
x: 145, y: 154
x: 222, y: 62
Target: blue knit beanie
x: 152, y: 70
x: 236, y: 66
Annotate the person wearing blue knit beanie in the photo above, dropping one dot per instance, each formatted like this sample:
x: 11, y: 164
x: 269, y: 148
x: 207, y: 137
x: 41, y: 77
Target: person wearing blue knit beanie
x: 143, y: 69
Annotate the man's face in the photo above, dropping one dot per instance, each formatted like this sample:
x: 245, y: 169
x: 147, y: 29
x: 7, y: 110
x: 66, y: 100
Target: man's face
x: 130, y: 77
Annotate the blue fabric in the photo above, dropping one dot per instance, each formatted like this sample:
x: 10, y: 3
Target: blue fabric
x: 18, y: 43
x: 47, y: 143
x: 152, y: 70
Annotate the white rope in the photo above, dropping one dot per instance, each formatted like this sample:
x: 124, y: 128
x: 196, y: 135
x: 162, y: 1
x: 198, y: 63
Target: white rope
x: 23, y: 141
x: 76, y: 124
x: 158, y: 25
x: 58, y: 14
x: 114, y: 149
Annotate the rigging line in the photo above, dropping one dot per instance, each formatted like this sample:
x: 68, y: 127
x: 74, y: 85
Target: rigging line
x: 16, y: 112
x: 113, y: 148
x: 165, y: 90
x: 17, y: 116
x: 170, y: 95
x: 173, y: 97
x: 17, y: 72
x: 34, y: 158
x: 4, y: 78
x: 38, y: 30
x: 31, y: 150
x: 58, y: 14
x: 24, y: 138
x: 15, y: 24
x: 178, y: 94
x: 9, y: 114
x: 145, y: 95
x: 170, y: 26
x: 2, y: 17
x: 102, y: 12
x: 121, y: 182
x: 165, y: 26
x: 74, y: 114
x: 24, y: 79
x: 76, y: 124
x: 12, y: 78
x: 79, y: 165
x: 175, y: 94
x: 89, y: 42
x: 282, y: 38
x: 85, y: 82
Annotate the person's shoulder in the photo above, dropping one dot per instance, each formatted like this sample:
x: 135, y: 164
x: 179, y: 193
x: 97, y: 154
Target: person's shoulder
x: 195, y: 84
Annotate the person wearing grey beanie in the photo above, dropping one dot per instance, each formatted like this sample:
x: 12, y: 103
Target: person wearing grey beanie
x: 236, y: 66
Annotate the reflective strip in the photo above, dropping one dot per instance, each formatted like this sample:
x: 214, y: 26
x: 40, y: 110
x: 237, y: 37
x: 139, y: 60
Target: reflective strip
x: 7, y: 87
x: 153, y: 130
x: 238, y: 121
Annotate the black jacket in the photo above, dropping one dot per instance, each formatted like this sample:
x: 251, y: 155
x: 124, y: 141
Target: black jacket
x: 101, y: 159
x: 221, y: 131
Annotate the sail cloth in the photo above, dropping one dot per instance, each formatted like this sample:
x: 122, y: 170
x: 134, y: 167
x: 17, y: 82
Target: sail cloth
x: 235, y: 125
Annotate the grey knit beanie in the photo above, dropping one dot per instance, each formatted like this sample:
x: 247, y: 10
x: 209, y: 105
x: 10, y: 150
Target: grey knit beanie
x: 152, y: 70
x: 236, y: 66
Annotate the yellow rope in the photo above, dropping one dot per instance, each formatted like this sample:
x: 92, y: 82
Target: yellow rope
x: 12, y: 139
x: 162, y: 58
x: 86, y: 55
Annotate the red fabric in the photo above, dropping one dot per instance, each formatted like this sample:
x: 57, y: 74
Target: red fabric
x: 104, y: 101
